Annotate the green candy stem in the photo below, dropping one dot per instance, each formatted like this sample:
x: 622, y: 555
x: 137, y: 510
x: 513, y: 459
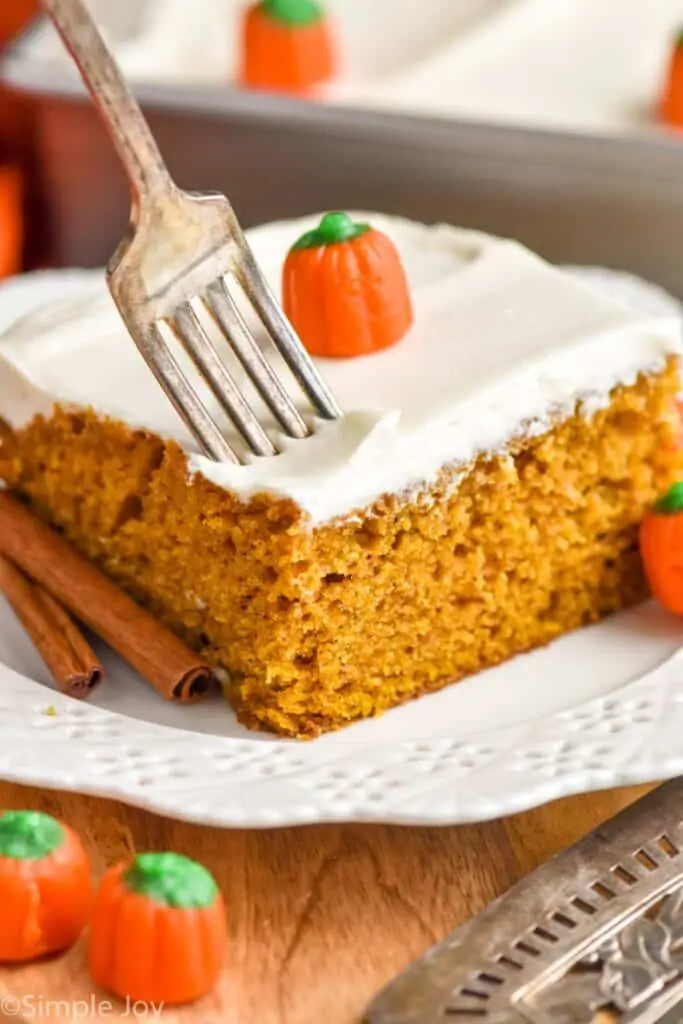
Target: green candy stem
x: 294, y: 13
x: 172, y: 880
x: 672, y: 502
x: 29, y: 835
x: 333, y: 229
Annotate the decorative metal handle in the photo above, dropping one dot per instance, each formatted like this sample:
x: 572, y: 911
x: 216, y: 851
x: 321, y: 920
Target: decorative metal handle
x: 595, y: 935
x: 146, y: 170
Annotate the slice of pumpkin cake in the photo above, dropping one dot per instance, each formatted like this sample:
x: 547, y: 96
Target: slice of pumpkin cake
x: 505, y: 428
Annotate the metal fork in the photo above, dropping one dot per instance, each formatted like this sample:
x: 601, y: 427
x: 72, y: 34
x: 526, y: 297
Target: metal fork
x: 181, y: 249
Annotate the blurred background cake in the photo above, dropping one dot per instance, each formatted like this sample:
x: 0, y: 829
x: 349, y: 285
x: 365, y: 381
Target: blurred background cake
x: 406, y: 93
x: 497, y: 61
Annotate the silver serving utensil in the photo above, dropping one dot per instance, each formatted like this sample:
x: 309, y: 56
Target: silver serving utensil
x: 595, y: 935
x: 181, y: 250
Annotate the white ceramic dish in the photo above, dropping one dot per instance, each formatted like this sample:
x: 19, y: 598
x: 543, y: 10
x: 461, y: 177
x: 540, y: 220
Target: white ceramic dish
x: 600, y: 708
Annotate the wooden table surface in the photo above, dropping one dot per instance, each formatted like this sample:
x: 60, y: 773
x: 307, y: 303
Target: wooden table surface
x: 320, y: 917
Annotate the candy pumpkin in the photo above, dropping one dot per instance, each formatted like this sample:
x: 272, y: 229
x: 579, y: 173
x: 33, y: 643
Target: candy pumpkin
x: 661, y: 547
x: 287, y: 46
x: 676, y: 443
x: 11, y: 220
x: 45, y: 886
x: 158, y: 931
x: 14, y: 15
x: 345, y: 291
x: 671, y: 107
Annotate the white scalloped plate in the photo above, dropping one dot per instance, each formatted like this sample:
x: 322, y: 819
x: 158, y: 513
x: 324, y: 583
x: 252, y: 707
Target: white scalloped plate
x: 600, y: 708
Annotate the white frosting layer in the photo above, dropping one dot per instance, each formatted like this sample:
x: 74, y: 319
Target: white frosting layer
x: 502, y: 341
x: 494, y: 60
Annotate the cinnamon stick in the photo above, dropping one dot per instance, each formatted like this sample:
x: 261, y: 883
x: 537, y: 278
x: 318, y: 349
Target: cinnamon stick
x: 68, y: 655
x: 159, y: 656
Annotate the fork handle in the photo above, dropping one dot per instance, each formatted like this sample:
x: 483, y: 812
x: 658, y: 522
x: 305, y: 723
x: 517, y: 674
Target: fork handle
x: 144, y: 165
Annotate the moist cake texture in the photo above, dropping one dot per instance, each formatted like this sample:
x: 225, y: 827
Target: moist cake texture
x: 320, y: 613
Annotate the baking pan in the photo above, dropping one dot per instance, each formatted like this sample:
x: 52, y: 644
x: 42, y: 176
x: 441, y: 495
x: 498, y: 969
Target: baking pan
x: 609, y: 201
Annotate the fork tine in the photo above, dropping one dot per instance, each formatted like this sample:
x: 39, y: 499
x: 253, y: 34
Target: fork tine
x: 225, y: 310
x: 188, y: 405
x: 176, y: 243
x: 284, y: 337
x: 199, y: 347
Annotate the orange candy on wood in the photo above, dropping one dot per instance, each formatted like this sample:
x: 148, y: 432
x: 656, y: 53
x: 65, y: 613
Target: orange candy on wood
x: 45, y: 886
x: 661, y: 548
x: 158, y: 931
x: 345, y: 291
x: 671, y: 107
x: 287, y: 46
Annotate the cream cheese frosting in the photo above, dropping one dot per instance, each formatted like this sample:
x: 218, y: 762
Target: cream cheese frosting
x: 502, y: 342
x: 511, y: 61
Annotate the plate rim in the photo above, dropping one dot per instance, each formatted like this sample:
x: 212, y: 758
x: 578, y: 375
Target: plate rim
x: 545, y: 766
